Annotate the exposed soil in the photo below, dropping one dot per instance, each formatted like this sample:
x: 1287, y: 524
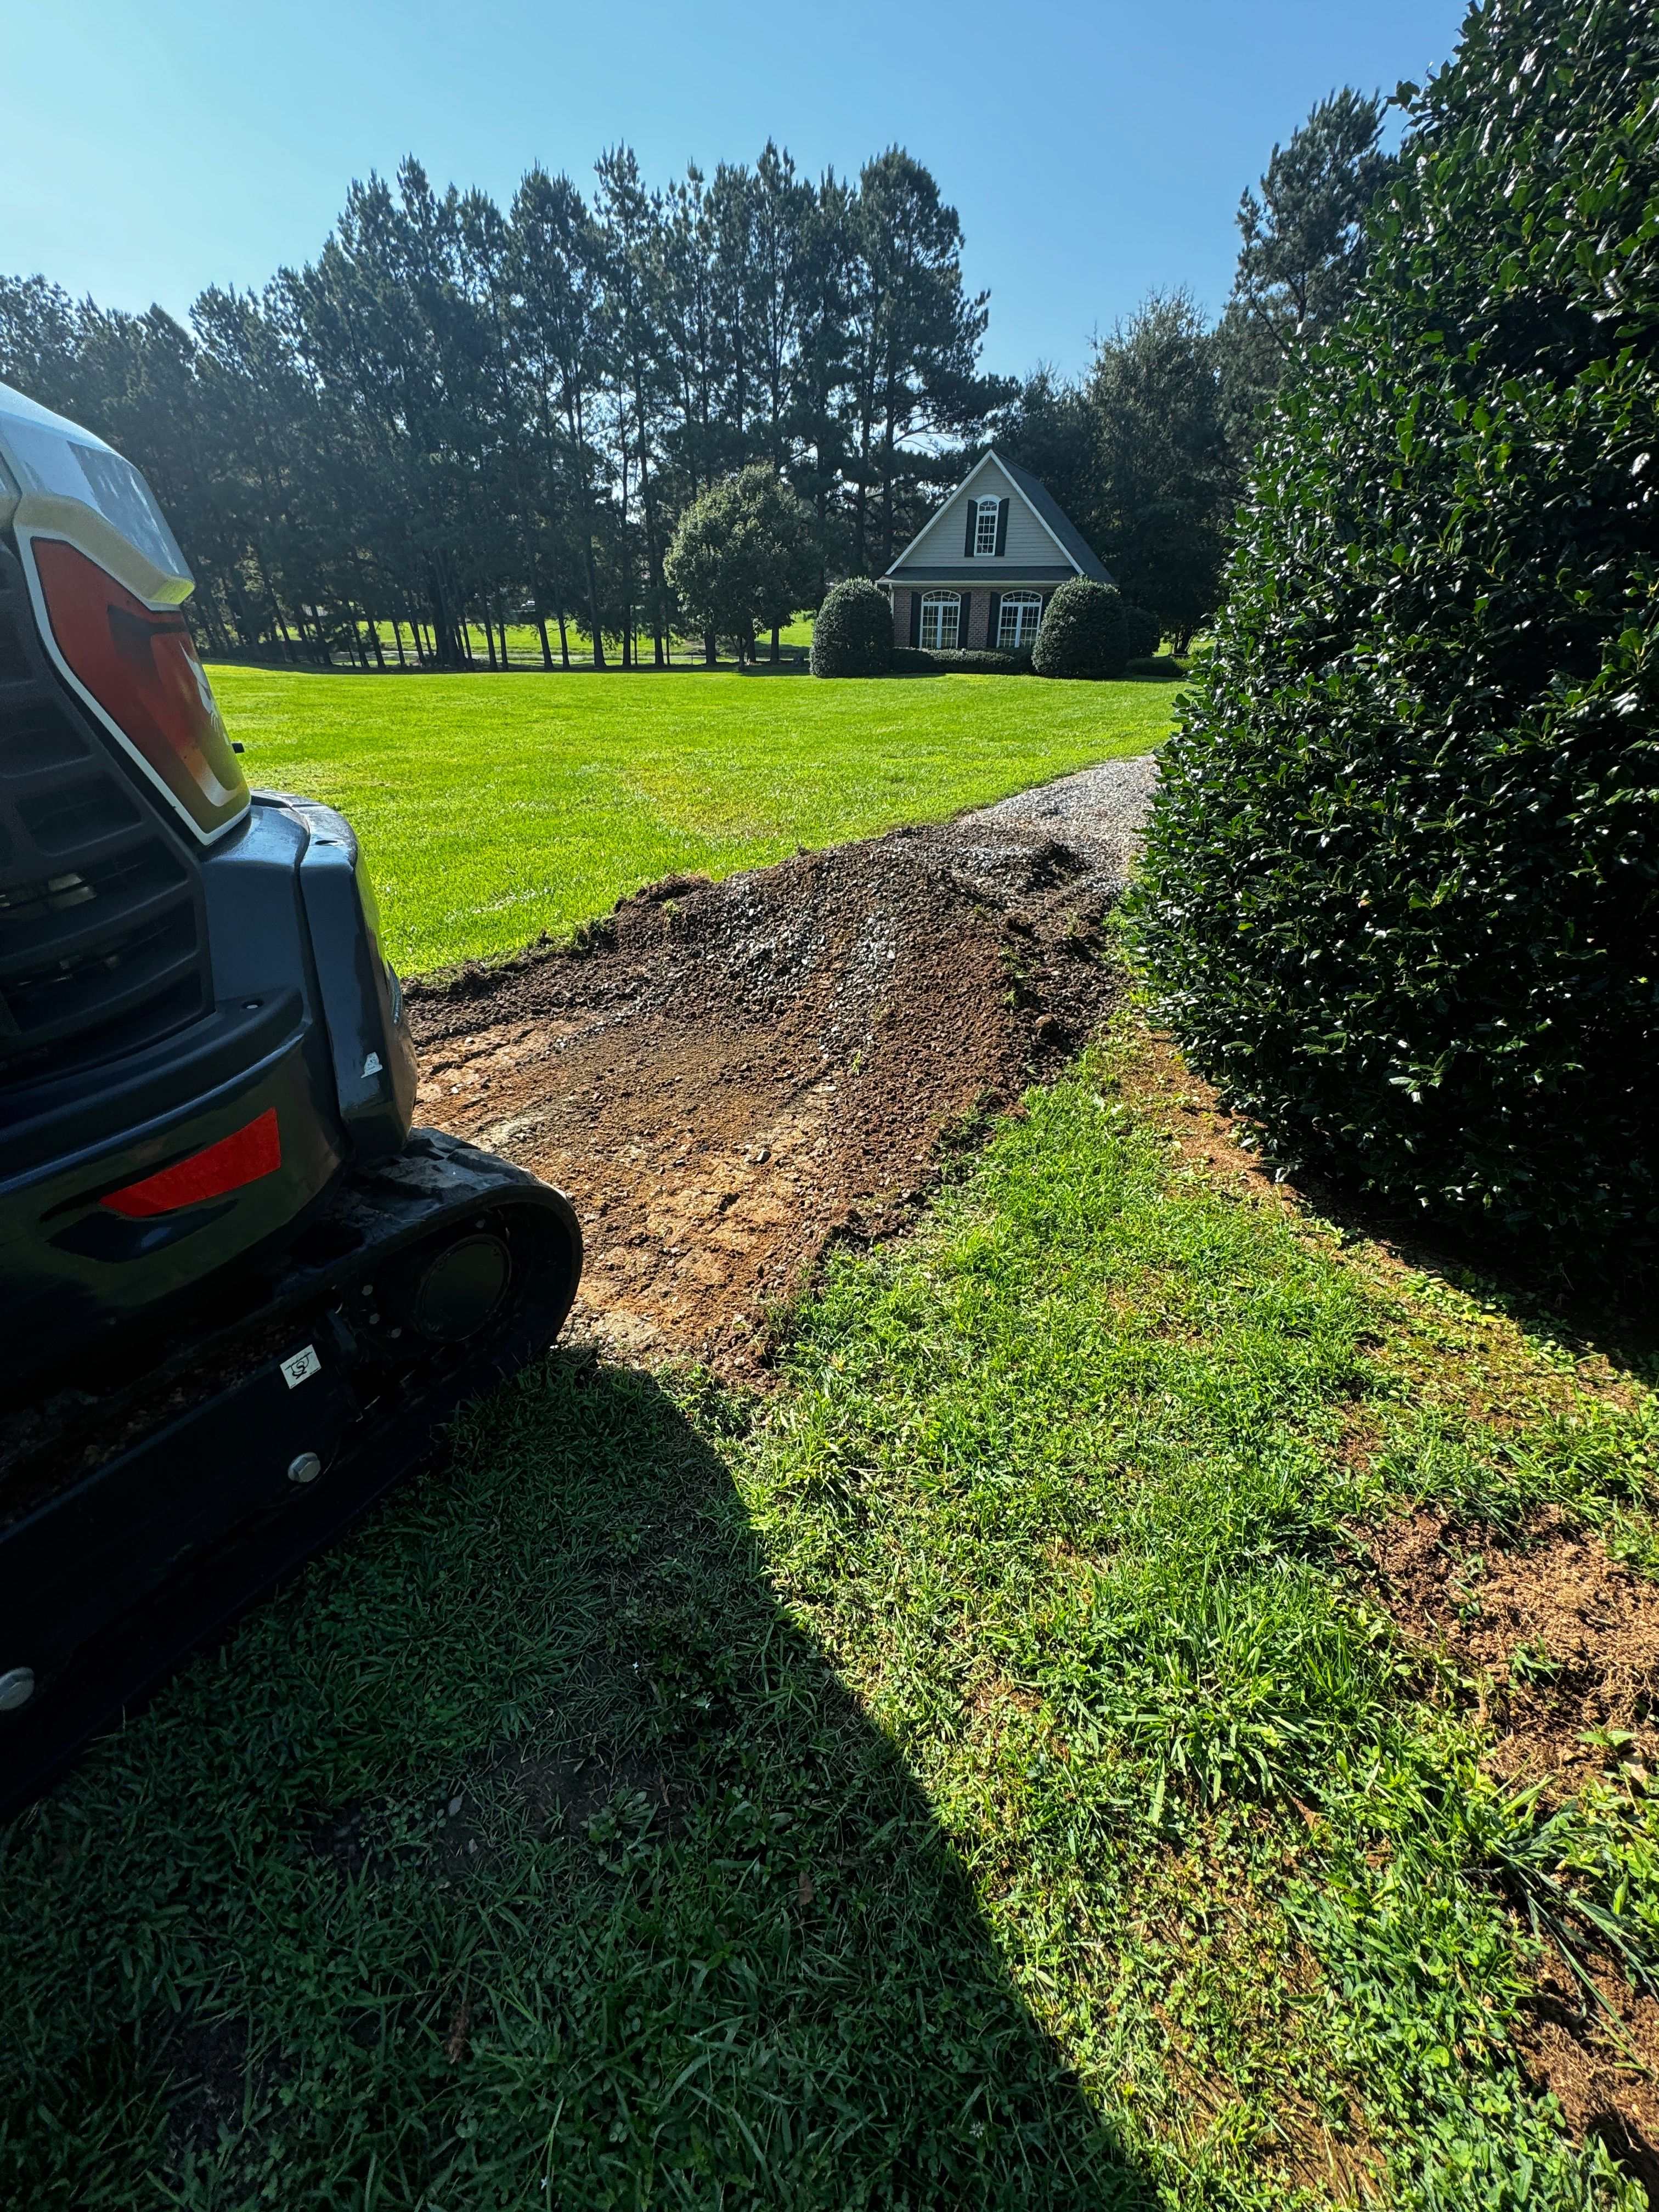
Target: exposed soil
x: 726, y: 1077
x: 1601, y: 2067
x: 1555, y: 1640
x: 1560, y: 1641
x: 1561, y: 1644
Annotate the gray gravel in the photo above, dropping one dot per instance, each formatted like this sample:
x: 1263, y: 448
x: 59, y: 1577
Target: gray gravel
x: 1098, y: 811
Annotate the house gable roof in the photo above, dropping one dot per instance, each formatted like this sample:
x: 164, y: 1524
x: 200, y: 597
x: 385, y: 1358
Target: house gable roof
x: 1077, y: 557
x: 1088, y: 563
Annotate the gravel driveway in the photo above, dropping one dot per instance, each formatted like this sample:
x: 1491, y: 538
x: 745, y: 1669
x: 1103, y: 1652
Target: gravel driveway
x: 1098, y: 811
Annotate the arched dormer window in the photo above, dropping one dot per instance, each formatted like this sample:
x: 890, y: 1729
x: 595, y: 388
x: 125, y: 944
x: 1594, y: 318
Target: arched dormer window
x: 985, y: 527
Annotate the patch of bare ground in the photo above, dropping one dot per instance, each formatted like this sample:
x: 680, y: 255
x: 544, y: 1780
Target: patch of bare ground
x: 1560, y: 1642
x: 1601, y: 2067
x: 729, y: 1076
x: 1557, y: 1641
x: 1389, y: 1249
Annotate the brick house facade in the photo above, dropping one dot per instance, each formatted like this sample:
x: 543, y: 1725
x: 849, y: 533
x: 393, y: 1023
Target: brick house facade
x: 980, y: 571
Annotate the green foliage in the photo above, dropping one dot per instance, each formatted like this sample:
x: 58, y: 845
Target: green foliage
x: 1157, y: 667
x: 853, y: 635
x: 1138, y: 456
x: 1166, y: 473
x: 1303, y: 249
x: 743, y: 555
x: 1143, y: 633
x: 1402, y: 877
x: 493, y: 810
x: 459, y: 467
x: 1085, y: 632
x: 918, y: 660
x: 646, y: 1772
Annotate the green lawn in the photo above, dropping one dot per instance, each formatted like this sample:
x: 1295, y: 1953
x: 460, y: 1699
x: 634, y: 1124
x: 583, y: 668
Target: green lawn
x: 974, y: 1775
x: 493, y: 808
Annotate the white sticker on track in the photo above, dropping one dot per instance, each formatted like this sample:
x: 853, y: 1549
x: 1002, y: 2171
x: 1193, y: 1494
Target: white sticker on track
x: 301, y: 1367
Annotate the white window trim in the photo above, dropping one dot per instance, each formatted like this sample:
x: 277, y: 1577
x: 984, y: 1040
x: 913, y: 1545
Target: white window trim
x: 990, y: 508
x: 1024, y: 601
x: 940, y: 600
x: 985, y: 461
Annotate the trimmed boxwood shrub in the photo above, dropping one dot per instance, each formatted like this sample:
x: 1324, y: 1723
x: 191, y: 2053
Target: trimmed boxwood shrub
x: 919, y: 660
x: 1400, y: 897
x: 1157, y: 667
x: 853, y: 635
x: 1086, y: 631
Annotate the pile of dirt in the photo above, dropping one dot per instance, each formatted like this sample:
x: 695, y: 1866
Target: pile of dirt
x: 724, y: 1077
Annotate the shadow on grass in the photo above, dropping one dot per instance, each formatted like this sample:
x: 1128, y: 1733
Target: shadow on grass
x: 526, y: 1854
x: 1584, y: 1317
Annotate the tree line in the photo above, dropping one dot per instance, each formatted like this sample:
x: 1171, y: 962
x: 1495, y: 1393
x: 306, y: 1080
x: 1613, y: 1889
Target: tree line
x: 461, y: 416
x: 1149, y: 453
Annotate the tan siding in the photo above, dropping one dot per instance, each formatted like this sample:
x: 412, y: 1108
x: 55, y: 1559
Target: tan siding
x: 1030, y: 543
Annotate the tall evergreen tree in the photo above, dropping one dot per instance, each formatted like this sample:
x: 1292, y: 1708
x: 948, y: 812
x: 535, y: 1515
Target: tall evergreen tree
x: 456, y: 416
x: 1303, y: 248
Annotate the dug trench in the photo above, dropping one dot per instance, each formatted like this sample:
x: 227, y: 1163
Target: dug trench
x: 726, y: 1078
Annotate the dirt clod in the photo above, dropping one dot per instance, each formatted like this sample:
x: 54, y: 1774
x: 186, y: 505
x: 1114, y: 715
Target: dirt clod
x: 727, y: 1077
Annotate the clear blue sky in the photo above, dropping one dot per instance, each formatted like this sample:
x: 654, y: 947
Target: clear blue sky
x: 1093, y: 151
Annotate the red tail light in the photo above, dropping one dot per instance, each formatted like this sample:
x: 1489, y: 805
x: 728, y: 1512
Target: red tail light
x: 142, y: 669
x: 241, y: 1158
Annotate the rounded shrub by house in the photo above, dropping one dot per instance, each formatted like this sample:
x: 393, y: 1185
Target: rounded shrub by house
x: 1086, y: 631
x: 853, y: 634
x: 1400, y: 895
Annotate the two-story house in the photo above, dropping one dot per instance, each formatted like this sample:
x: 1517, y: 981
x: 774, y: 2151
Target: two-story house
x: 980, y: 571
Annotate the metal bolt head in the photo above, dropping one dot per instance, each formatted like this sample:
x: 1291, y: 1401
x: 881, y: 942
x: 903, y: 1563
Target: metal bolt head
x: 306, y: 1468
x: 16, y: 1688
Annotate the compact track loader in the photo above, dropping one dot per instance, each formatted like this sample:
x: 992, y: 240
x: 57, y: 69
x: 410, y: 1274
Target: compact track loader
x: 237, y: 1295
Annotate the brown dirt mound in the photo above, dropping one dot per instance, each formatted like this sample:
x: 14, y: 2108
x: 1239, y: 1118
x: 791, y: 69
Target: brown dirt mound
x: 728, y: 1075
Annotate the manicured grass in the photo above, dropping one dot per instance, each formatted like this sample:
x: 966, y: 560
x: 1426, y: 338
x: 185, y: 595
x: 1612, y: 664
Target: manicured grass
x: 493, y: 808
x: 1001, y: 1789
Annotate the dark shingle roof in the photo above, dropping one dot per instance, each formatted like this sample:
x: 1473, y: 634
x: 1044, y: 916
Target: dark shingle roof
x: 1088, y: 561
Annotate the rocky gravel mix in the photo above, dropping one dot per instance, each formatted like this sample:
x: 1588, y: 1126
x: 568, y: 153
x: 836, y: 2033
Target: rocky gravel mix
x: 727, y: 1077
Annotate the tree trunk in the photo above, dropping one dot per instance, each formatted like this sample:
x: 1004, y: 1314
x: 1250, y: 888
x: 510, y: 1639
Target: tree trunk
x: 276, y: 604
x: 774, y: 644
x: 541, y: 631
x: 708, y: 651
x: 593, y: 606
x: 564, y: 642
